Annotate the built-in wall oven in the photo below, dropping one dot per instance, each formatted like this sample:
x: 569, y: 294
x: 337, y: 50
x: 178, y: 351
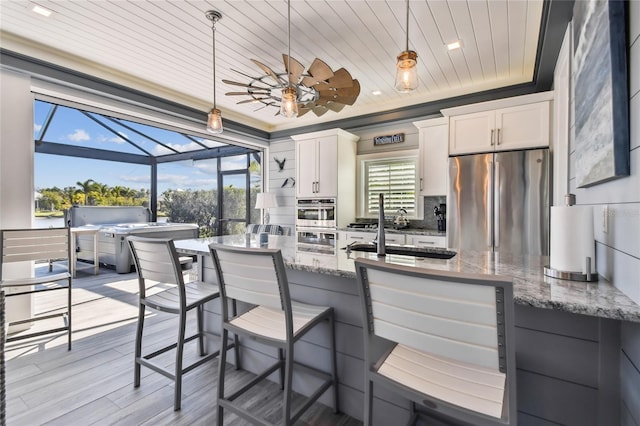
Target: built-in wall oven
x: 316, y: 225
x: 316, y: 240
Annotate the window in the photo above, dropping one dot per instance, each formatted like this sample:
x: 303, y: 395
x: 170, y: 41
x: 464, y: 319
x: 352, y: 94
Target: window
x: 393, y: 177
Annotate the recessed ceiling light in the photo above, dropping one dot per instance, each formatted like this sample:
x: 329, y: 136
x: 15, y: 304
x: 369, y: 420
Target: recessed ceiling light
x: 454, y: 45
x: 41, y: 11
x: 376, y: 93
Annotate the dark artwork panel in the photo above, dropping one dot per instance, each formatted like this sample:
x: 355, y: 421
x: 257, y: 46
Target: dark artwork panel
x: 600, y: 91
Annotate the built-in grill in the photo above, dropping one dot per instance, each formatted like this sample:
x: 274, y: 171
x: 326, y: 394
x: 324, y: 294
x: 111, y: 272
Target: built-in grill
x: 114, y: 225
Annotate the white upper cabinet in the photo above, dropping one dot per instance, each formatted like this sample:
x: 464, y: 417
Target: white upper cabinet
x: 434, y: 150
x: 500, y: 129
x: 325, y: 160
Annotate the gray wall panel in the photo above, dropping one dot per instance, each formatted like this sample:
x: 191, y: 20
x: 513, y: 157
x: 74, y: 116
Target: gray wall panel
x: 629, y: 380
x: 556, y: 400
x: 557, y: 322
x: 574, y: 360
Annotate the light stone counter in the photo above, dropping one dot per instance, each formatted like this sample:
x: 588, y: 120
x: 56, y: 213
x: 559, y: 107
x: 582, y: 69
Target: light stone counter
x: 531, y: 286
x: 406, y: 231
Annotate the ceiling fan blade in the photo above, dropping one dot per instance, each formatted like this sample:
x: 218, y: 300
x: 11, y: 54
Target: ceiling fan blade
x: 303, y: 111
x: 335, y: 107
x: 341, y: 78
x: 247, y: 93
x: 296, y: 68
x: 318, y: 71
x: 320, y: 110
x: 268, y: 71
x: 253, y: 100
x: 235, y: 83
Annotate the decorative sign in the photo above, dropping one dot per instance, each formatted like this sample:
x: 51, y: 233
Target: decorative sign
x: 384, y: 140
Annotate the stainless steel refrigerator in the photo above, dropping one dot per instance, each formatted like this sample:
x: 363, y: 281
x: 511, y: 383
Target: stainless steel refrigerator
x: 500, y: 202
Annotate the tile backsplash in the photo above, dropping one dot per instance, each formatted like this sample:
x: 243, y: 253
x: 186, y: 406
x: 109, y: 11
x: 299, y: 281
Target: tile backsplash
x: 430, y: 221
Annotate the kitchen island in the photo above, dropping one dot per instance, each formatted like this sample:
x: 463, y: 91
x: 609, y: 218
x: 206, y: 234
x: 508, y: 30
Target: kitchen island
x: 567, y: 333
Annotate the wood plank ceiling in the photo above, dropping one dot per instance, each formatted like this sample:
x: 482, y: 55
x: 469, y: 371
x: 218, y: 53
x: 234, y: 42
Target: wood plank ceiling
x: 165, y: 47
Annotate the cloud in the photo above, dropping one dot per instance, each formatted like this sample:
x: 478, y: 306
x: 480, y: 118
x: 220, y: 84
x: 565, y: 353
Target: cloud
x: 191, y: 146
x: 174, y: 181
x: 114, y: 139
x: 37, y: 127
x: 78, y: 135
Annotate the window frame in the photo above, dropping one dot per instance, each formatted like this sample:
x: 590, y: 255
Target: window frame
x: 363, y: 190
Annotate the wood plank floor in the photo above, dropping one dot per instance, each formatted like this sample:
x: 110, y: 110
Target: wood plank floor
x: 93, y: 383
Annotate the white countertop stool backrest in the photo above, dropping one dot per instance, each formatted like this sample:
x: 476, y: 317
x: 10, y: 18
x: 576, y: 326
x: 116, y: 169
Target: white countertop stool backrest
x: 258, y: 278
x: 38, y: 245
x: 452, y: 335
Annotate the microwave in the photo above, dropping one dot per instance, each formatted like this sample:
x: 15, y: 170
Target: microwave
x: 316, y: 213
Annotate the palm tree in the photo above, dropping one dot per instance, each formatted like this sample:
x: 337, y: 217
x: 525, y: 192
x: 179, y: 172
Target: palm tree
x: 86, y: 186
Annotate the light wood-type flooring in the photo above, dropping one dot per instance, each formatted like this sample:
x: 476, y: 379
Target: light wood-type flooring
x: 93, y: 383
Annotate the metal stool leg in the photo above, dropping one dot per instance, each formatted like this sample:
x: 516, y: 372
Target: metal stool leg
x: 201, y: 347
x: 138, y: 354
x: 179, y: 352
x: 288, y: 374
x: 222, y: 361
x: 334, y: 368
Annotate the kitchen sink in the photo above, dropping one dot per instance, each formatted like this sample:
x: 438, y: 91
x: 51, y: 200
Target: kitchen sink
x: 435, y: 253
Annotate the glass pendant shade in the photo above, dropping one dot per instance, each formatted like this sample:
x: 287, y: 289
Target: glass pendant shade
x: 214, y: 121
x: 289, y: 105
x: 407, y: 72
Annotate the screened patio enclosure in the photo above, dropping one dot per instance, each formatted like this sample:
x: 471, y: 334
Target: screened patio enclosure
x: 194, y: 177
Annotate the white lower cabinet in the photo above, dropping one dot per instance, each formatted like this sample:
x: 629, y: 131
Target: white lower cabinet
x: 427, y: 241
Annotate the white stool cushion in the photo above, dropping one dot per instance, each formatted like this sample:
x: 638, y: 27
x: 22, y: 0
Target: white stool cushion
x: 475, y: 388
x: 270, y: 323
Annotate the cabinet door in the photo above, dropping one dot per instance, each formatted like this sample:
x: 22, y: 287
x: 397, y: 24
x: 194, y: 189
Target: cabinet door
x: 427, y: 241
x: 306, y: 163
x: 524, y: 126
x: 471, y: 132
x: 434, y: 152
x: 327, y: 167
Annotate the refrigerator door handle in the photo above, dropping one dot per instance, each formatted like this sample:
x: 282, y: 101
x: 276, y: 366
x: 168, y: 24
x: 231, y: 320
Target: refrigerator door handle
x: 496, y: 206
x: 488, y: 205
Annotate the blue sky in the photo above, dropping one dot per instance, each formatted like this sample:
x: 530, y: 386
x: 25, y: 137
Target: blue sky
x: 71, y: 127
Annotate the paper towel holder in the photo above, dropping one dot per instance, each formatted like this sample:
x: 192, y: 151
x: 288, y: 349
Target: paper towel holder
x: 573, y: 276
x: 570, y: 200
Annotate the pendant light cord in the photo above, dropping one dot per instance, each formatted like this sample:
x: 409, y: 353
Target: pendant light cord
x: 407, y: 33
x: 289, y: 41
x: 213, y: 30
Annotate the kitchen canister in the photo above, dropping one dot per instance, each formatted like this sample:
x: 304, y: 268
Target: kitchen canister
x: 572, y: 244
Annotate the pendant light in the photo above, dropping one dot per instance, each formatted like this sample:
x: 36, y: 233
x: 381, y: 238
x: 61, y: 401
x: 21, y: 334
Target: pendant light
x: 214, y: 120
x: 406, y: 67
x: 289, y: 105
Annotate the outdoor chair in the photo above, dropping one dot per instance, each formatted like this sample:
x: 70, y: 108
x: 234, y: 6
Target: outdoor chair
x: 44, y: 246
x: 449, y: 342
x: 258, y: 278
x: 162, y: 288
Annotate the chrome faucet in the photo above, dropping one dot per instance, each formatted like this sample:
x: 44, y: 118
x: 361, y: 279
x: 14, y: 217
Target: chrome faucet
x: 380, y: 239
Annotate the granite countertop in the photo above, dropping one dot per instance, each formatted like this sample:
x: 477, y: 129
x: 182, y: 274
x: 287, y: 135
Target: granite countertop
x: 531, y: 286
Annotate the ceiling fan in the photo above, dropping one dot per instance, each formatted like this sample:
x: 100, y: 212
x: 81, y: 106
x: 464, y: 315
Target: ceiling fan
x: 319, y: 89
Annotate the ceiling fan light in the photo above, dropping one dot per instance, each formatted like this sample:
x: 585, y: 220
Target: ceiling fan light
x: 407, y: 71
x: 214, y: 121
x: 289, y: 105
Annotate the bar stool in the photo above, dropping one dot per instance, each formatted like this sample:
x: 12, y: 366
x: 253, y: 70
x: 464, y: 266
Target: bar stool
x: 258, y: 277
x: 450, y: 342
x: 158, y: 264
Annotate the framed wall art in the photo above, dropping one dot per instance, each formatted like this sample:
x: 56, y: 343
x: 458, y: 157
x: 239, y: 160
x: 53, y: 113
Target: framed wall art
x: 600, y: 91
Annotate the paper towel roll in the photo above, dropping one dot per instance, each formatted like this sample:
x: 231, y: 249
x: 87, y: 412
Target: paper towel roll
x: 572, y: 239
